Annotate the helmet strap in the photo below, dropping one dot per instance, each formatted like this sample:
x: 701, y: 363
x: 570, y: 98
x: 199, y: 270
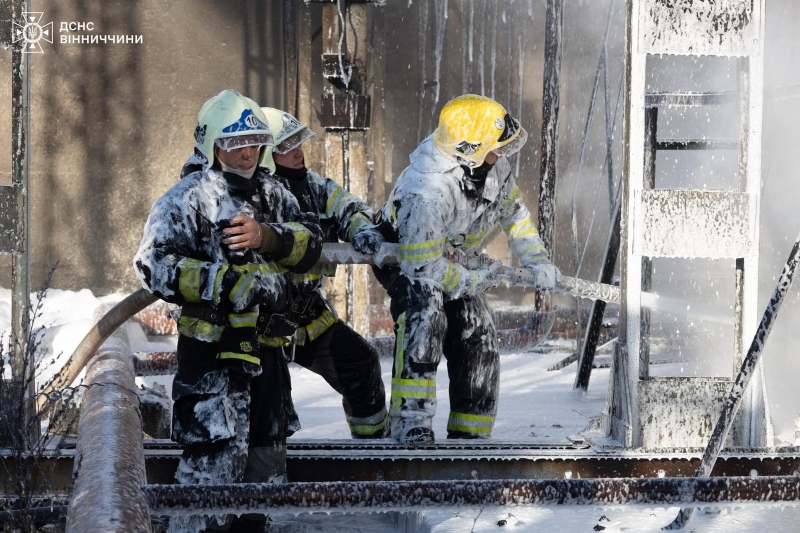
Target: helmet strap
x: 477, y: 175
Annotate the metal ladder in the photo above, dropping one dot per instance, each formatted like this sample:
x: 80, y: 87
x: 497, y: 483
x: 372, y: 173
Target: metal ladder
x: 671, y: 223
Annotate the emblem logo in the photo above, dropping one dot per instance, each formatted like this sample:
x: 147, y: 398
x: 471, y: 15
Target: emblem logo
x: 467, y: 148
x: 246, y: 346
x: 289, y: 124
x: 200, y: 134
x: 31, y: 32
x: 499, y: 123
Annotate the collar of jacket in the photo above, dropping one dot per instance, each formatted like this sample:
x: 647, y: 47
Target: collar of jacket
x: 192, y: 165
x: 238, y: 185
x: 291, y: 174
x: 427, y: 159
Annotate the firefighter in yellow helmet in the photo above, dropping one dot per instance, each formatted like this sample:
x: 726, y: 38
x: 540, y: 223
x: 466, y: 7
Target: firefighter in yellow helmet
x: 458, y: 186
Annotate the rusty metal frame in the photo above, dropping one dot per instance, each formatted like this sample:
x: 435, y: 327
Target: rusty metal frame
x: 399, y: 496
x: 343, y: 460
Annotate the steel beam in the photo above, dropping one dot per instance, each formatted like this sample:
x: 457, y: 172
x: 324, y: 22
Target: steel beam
x: 551, y: 100
x: 347, y: 460
x: 386, y: 495
x: 586, y: 360
x: 697, y: 144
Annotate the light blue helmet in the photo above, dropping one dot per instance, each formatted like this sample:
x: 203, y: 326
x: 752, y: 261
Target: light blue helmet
x: 230, y: 120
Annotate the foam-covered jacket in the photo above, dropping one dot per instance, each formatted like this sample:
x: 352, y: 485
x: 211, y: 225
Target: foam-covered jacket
x: 181, y: 248
x: 433, y: 206
x: 340, y: 215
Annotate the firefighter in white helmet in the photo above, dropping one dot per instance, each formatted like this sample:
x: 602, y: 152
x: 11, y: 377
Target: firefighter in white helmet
x: 458, y: 186
x: 220, y: 243
x: 325, y: 344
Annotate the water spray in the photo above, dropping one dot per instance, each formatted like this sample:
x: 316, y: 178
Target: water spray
x: 734, y: 401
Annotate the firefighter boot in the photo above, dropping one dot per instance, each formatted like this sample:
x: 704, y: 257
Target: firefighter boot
x: 412, y: 431
x: 264, y: 465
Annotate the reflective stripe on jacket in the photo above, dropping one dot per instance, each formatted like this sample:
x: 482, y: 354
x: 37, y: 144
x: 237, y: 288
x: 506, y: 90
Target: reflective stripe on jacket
x: 433, y: 204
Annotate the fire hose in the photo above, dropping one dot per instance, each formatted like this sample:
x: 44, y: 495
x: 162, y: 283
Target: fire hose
x: 332, y: 253
x: 388, y: 254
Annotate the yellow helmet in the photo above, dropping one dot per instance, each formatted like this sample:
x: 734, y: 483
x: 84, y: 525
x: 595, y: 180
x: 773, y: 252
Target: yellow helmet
x: 471, y: 126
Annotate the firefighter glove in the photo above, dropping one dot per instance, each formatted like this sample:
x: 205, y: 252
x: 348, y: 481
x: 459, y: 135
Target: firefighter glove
x: 244, y: 286
x: 368, y: 239
x: 486, y: 278
x: 545, y: 274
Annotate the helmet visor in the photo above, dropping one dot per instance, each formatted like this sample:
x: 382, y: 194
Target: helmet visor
x: 293, y: 141
x: 514, y: 146
x: 241, y: 141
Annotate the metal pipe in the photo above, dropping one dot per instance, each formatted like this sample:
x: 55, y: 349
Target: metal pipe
x: 400, y: 495
x: 22, y: 364
x: 109, y: 461
x: 587, y: 352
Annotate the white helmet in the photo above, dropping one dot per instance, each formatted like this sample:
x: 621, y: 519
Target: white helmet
x: 230, y: 120
x: 289, y: 132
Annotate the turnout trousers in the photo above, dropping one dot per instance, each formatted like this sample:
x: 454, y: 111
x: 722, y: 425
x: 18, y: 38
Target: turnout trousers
x: 233, y: 427
x: 351, y: 366
x: 427, y: 326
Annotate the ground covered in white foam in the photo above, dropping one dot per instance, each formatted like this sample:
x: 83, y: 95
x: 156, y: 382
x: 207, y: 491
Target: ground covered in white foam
x: 535, y: 404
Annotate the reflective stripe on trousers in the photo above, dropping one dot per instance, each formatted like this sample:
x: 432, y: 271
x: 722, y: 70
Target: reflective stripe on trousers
x: 462, y: 330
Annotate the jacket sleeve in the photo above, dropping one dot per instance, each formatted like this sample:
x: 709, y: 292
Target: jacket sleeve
x: 348, y: 211
x: 299, y: 236
x: 168, y: 261
x: 421, y: 221
x: 516, y: 222
x: 174, y: 260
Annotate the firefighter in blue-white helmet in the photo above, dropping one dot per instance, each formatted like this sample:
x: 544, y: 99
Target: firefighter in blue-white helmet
x: 458, y: 186
x: 221, y: 243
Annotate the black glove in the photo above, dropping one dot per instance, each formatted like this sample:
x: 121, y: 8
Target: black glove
x: 240, y: 256
x: 244, y: 286
x: 239, y: 350
x: 367, y: 239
